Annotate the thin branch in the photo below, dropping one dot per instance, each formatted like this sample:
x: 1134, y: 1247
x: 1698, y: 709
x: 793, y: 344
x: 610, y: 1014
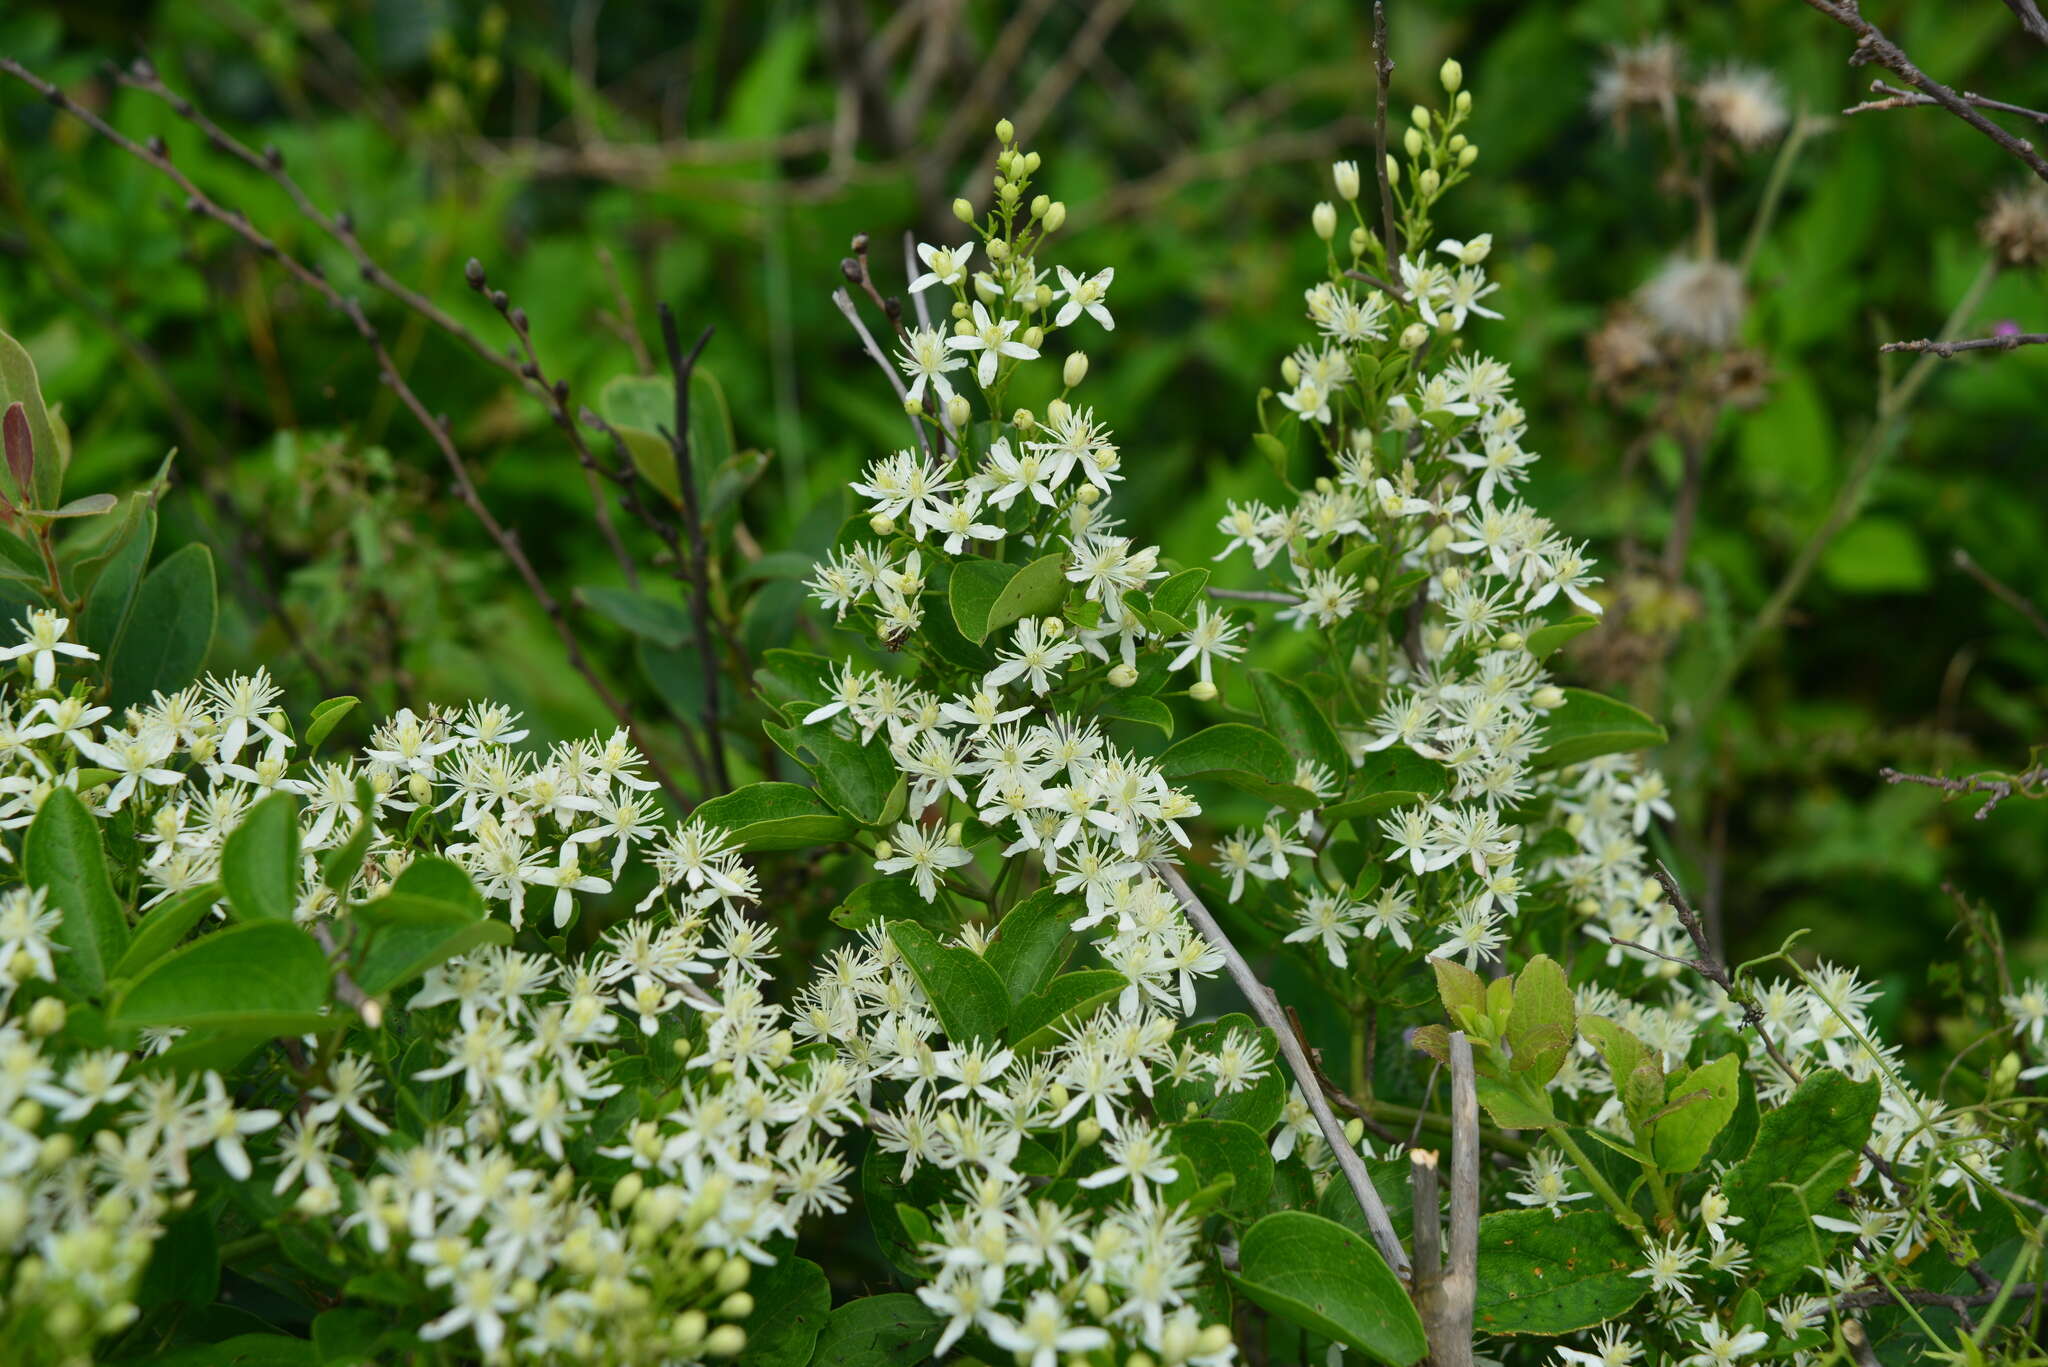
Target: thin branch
x: 1460, y: 1287
x: 1873, y: 46
x: 1999, y: 786
x: 1907, y: 99
x: 1387, y: 287
x: 1383, y: 71
x: 346, y: 989
x: 1255, y: 596
x: 2030, y: 18
x: 1867, y: 1300
x: 2002, y: 591
x: 681, y: 365
x: 2010, y: 341
x: 199, y: 203
x: 1260, y: 998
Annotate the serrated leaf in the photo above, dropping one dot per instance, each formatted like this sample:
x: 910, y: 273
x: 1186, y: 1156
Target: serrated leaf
x: 1543, y: 1021
x: 1811, y: 1143
x: 1546, y: 1274
x: 1315, y: 1273
x: 1684, y: 1135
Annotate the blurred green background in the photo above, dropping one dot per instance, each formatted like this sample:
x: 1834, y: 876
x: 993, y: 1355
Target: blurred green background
x: 720, y: 156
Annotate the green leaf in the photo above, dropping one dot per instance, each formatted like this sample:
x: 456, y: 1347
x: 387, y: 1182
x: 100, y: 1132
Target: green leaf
x: 1877, y: 554
x: 1034, y: 591
x: 972, y: 592
x: 1589, y: 725
x: 1389, y: 779
x: 63, y: 856
x: 349, y: 1336
x: 184, y: 1263
x: 1546, y: 1274
x: 1805, y: 1152
x: 325, y: 717
x: 412, y: 933
x: 439, y: 880
x: 169, y: 630
x: 168, y: 922
x: 259, y: 861
x: 1137, y: 708
x: 114, y: 574
x: 1208, y: 1151
x: 894, y: 1330
x: 860, y: 780
x: 1241, y: 756
x: 1546, y: 639
x: 1317, y: 1274
x: 1544, y: 1020
x: 964, y: 991
x: 92, y: 505
x: 243, y: 1350
x: 1035, y: 1021
x: 644, y: 615
x: 1030, y: 942
x: 1510, y: 1110
x: 638, y: 407
x: 265, y: 977
x: 1458, y: 987
x: 18, y: 384
x: 339, y: 864
x: 1292, y: 715
x: 1258, y: 1106
x: 1178, y: 594
x: 776, y: 816
x: 891, y: 899
x: 1684, y: 1135
x: 792, y: 1300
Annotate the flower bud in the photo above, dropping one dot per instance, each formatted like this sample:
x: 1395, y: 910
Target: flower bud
x: 1089, y: 494
x: 737, y: 1306
x: 1459, y: 142
x: 1024, y: 420
x: 1034, y: 337
x: 1005, y: 130
x: 958, y: 411
x: 628, y: 1190
x: 1290, y: 371
x: 1440, y: 538
x: 1123, y: 676
x: 881, y: 524
x: 1055, y: 216
x: 998, y: 250
x: 1412, y: 140
x: 1414, y: 335
x: 1358, y: 241
x: 46, y: 1017
x: 1031, y: 163
x: 1346, y: 175
x: 1393, y: 170
x: 1324, y: 219
x: 1058, y: 411
x: 1087, y: 1132
x: 1429, y: 180
x: 1513, y: 640
x: 1419, y: 116
x: 1451, y: 74
x: 1453, y: 576
x: 1215, y: 1338
x: 1371, y: 583
x: 1039, y: 204
x: 1468, y: 156
x: 1354, y: 1130
x: 1547, y: 697
x: 734, y: 1274
x: 1096, y: 1298
x: 1464, y: 102
x: 963, y: 211
x: 1052, y: 628
x: 688, y: 1330
x: 1202, y: 691
x: 913, y: 406
x: 726, y: 1341
x: 318, y: 1201
x: 1076, y: 369
x: 955, y: 831
x: 884, y: 850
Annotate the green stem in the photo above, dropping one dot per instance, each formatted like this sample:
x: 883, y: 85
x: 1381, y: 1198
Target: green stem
x: 1667, y: 1214
x: 1563, y: 1138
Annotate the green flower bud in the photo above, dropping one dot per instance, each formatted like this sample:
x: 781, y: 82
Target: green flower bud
x: 1123, y: 676
x: 1076, y: 369
x: 1202, y: 691
x: 1419, y: 116
x: 1412, y: 140
x: 726, y: 1341
x: 1039, y: 204
x: 1005, y: 130
x: 1452, y: 75
x: 1055, y: 216
x: 1468, y: 156
x: 963, y: 211
x: 1324, y: 220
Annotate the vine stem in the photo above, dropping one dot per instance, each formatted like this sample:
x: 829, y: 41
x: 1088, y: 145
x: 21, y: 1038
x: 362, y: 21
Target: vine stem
x: 1268, y: 1012
x: 1599, y: 1184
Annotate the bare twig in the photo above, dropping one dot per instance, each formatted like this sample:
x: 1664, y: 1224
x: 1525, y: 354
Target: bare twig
x: 1866, y: 1300
x: 1387, y: 287
x: 2030, y: 18
x: 2010, y: 341
x: 681, y: 365
x: 1429, y: 1243
x: 2000, y: 786
x: 1255, y: 596
x: 1452, y: 1345
x: 1873, y: 46
x: 1383, y: 71
x: 1858, y: 1340
x: 2002, y: 591
x: 1907, y: 99
x: 346, y: 989
x: 199, y: 203
x: 1260, y: 998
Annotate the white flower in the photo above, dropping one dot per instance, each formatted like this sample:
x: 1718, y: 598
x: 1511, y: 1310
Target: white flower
x: 925, y: 855
x: 1084, y: 295
x: 1330, y: 919
x: 925, y: 358
x: 1042, y: 1334
x: 1720, y: 1348
x: 990, y: 337
x: 943, y: 265
x: 42, y: 636
x: 1042, y: 648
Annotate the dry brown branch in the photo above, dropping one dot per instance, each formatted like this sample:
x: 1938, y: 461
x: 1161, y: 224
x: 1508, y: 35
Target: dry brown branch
x: 2029, y: 14
x: 681, y: 365
x: 2010, y: 341
x: 1872, y: 46
x: 1383, y: 71
x: 1896, y: 98
x: 2000, y: 786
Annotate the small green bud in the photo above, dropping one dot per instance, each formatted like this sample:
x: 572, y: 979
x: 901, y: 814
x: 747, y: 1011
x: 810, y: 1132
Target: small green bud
x: 1024, y: 420
x: 963, y: 211
x: 737, y: 1306
x: 1096, y: 1298
x: 1039, y: 204
x: 1005, y: 130
x: 1055, y: 216
x: 1324, y: 220
x: 1547, y: 697
x: 999, y: 250
x: 628, y: 1190
x: 1412, y: 140
x: 46, y: 1017
x: 1089, y: 495
x: 1087, y: 1132
x: 1123, y: 676
x: 1452, y: 75
x: 1414, y: 335
x: 1076, y: 369
x: 1512, y: 640
x: 1429, y: 180
x: 1464, y: 102
x: 726, y: 1341
x: 959, y: 412
x: 1034, y: 337
x: 1202, y: 691
x: 884, y: 850
x: 1468, y: 156
x: 1031, y: 163
x: 1358, y: 241
x: 882, y: 524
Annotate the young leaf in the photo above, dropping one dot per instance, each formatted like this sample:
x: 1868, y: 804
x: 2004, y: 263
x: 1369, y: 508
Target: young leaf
x: 170, y: 629
x: 1546, y: 1274
x: 1686, y: 1133
x: 965, y: 992
x: 18, y: 384
x: 265, y: 977
x: 324, y: 718
x: 1178, y: 594
x: 1317, y: 1274
x: 1589, y: 725
x: 1144, y: 711
x: 339, y: 864
x: 1458, y: 986
x: 63, y: 856
x: 259, y: 861
x: 776, y: 816
x: 1542, y: 1022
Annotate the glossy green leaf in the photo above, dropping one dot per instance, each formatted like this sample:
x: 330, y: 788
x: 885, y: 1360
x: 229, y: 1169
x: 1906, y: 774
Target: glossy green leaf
x: 1258, y: 1106
x: 1292, y: 715
x: 409, y: 934
x: 1241, y: 756
x: 972, y: 591
x: 1178, y: 595
x: 891, y: 899
x: 1031, y: 941
x: 259, y: 861
x: 1137, y: 708
x: 1546, y: 639
x: 1315, y: 1273
x: 1691, y: 1121
x: 261, y: 976
x: 324, y: 718
x: 892, y: 1330
x: 170, y: 629
x: 776, y: 816
x: 1589, y: 725
x: 1389, y: 779
x: 1036, y: 590
x: 1035, y: 1022
x: 1545, y: 1274
x: 964, y: 991
x: 642, y: 614
x: 1207, y: 1151
x: 111, y: 577
x: 639, y: 407
x: 62, y: 855
x: 792, y: 1301
x: 860, y: 780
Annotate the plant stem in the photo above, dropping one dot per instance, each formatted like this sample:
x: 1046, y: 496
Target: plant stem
x: 1599, y: 1184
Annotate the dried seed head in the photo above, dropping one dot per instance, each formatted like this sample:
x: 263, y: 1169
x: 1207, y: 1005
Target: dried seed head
x: 1695, y: 301
x: 2017, y: 226
x: 1745, y: 103
x: 1643, y: 76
